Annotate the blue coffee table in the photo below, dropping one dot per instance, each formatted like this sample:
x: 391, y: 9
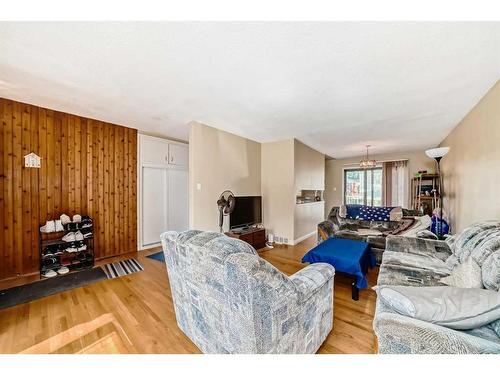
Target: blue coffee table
x: 346, y: 256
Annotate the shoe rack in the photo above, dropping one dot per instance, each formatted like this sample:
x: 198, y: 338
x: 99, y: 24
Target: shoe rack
x: 55, y: 253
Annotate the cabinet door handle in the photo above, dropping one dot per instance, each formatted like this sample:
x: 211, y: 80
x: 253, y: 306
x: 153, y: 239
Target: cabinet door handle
x: 166, y: 159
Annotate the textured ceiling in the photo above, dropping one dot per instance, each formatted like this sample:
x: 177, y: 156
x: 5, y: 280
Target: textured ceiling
x: 335, y: 86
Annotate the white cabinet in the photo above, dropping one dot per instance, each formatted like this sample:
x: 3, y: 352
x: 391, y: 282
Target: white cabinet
x: 162, y: 151
x: 154, y: 204
x: 178, y: 154
x: 163, y: 189
x: 177, y: 202
x: 153, y: 150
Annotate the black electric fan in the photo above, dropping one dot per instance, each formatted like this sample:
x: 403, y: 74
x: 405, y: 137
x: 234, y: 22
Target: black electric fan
x: 226, y: 204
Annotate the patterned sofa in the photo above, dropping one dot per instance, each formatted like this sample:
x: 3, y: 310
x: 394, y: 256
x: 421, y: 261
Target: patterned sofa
x: 227, y: 299
x: 338, y: 224
x: 418, y: 262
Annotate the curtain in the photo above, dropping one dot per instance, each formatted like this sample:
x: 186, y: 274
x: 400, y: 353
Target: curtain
x: 400, y: 183
x: 387, y: 184
x: 395, y: 185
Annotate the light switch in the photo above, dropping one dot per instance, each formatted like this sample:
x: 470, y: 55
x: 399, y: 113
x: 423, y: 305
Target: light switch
x: 198, y: 186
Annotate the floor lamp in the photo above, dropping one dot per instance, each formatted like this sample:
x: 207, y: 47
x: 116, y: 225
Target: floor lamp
x: 437, y: 154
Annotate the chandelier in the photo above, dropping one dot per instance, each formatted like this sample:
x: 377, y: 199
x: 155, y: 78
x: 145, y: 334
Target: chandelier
x: 367, y: 163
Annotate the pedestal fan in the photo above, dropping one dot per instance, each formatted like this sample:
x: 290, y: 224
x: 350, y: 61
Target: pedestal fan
x: 226, y: 204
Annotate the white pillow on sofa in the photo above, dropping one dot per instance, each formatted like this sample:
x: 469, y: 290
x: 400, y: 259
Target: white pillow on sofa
x: 456, y: 308
x: 465, y: 275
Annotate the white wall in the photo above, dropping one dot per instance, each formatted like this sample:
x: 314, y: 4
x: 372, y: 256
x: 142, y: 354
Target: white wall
x: 278, y: 187
x: 219, y: 161
x: 471, y: 170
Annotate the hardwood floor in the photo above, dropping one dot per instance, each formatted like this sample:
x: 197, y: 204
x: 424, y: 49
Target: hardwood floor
x: 134, y: 314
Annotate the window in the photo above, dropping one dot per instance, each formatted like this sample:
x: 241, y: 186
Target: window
x: 363, y: 186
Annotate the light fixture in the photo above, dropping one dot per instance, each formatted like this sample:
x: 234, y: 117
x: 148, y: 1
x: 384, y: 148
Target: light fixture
x: 437, y: 154
x: 367, y: 163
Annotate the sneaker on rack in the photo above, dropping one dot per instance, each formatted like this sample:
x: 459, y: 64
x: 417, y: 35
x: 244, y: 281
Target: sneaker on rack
x: 58, y: 250
x: 59, y: 226
x: 77, y: 218
x: 49, y: 261
x: 87, y: 233
x: 78, y: 236
x: 72, y: 249
x: 65, y: 219
x: 72, y: 226
x: 69, y: 237
x: 49, y: 227
x: 82, y: 247
x: 49, y: 273
x: 63, y: 270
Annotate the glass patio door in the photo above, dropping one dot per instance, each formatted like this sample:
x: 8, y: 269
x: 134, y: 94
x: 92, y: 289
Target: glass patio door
x: 363, y: 186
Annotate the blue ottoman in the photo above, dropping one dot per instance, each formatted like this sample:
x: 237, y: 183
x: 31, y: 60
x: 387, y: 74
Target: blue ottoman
x: 346, y: 256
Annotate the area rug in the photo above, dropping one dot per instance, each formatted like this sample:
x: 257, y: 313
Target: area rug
x: 43, y: 288
x: 47, y: 287
x: 159, y: 256
x: 122, y: 268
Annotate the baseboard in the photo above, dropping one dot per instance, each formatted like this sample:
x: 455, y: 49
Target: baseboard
x: 300, y: 239
x: 147, y: 247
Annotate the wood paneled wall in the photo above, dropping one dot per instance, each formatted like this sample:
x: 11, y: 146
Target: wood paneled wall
x: 88, y: 167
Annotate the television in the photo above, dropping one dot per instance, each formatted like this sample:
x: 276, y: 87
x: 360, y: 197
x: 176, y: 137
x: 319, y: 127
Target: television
x: 247, y: 211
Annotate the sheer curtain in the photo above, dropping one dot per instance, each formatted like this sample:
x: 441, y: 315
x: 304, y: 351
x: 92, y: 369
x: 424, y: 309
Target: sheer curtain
x: 395, y: 183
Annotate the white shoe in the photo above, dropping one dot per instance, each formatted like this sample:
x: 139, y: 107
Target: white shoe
x: 83, y: 247
x: 78, y: 236
x: 59, y: 227
x: 77, y: 218
x: 65, y: 219
x: 69, y: 237
x: 49, y: 273
x: 49, y: 227
x: 71, y: 249
x: 63, y: 270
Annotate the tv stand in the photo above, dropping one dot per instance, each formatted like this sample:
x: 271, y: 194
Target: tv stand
x: 256, y: 237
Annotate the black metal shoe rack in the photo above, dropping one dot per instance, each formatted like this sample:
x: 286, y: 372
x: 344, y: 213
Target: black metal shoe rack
x: 54, y: 254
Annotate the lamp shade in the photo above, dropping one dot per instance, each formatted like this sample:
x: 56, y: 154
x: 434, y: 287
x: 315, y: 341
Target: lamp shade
x: 437, y: 152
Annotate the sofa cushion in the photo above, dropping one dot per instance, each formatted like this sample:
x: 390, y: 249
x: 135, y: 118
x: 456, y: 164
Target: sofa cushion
x: 392, y: 274
x: 452, y: 261
x: 491, y: 272
x: 465, y: 275
x: 495, y: 326
x: 487, y: 243
x: 426, y: 261
x: 472, y: 237
x: 451, y: 307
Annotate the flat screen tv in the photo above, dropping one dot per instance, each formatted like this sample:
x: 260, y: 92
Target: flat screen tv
x: 247, y: 211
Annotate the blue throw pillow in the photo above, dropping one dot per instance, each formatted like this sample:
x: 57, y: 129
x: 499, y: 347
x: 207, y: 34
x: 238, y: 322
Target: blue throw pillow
x: 353, y: 210
x: 368, y: 213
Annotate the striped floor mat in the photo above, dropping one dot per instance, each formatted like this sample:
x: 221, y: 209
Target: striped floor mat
x: 122, y: 268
